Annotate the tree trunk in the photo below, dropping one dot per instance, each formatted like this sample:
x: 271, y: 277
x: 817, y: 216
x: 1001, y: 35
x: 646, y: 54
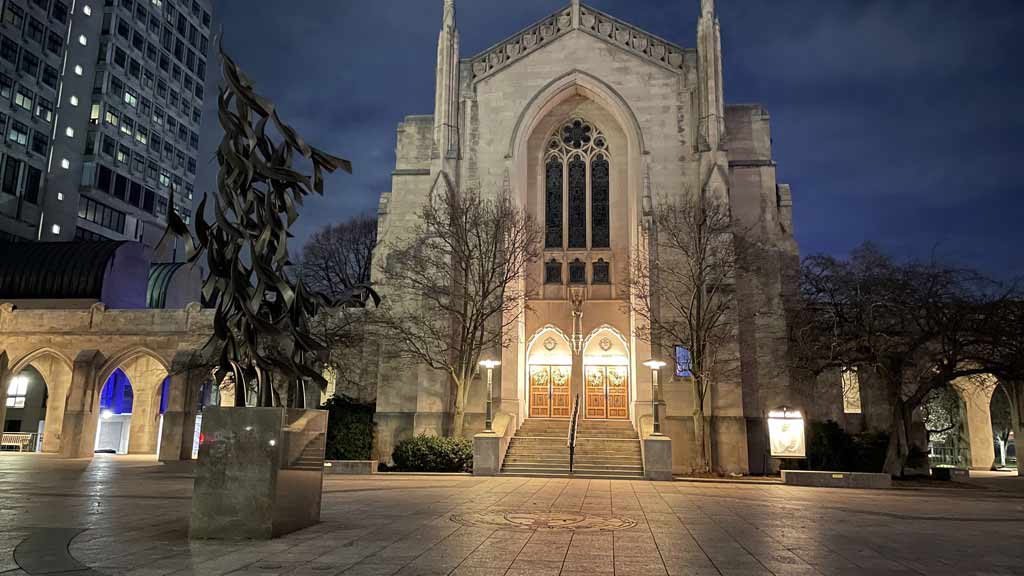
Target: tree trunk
x: 700, y: 451
x: 899, y: 438
x: 460, y: 409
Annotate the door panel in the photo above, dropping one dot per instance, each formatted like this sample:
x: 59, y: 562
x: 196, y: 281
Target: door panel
x: 540, y: 402
x: 550, y: 396
x: 618, y: 392
x: 561, y: 401
x: 607, y: 392
x: 597, y: 401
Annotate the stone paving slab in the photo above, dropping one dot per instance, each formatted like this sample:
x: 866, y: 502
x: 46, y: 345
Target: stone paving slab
x: 130, y: 516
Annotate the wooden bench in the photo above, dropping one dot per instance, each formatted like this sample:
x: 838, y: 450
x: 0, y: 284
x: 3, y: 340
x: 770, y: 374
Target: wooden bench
x: 20, y: 441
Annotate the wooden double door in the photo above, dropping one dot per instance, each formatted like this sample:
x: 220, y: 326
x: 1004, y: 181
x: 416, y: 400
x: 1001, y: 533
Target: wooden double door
x: 550, y: 394
x: 607, y: 392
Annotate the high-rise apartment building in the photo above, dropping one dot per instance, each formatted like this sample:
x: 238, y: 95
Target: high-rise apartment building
x: 100, y: 107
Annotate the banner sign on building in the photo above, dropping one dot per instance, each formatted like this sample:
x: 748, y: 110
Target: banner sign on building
x: 683, y: 362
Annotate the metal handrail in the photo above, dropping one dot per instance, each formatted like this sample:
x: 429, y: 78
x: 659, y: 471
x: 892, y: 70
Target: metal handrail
x: 574, y: 421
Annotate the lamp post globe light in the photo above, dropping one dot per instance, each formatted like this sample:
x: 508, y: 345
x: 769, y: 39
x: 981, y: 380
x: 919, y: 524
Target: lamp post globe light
x: 655, y: 366
x: 490, y: 365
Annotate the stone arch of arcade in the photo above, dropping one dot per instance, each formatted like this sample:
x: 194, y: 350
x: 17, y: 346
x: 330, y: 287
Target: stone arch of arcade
x: 75, y: 352
x: 977, y: 394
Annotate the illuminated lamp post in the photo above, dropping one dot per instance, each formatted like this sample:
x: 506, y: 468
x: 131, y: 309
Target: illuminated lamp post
x: 490, y: 365
x: 786, y: 437
x: 655, y: 366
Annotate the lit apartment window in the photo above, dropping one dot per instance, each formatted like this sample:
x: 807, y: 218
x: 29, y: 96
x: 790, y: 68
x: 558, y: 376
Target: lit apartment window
x: 18, y: 133
x: 23, y: 98
x: 112, y: 117
x: 17, y: 390
x: 851, y: 391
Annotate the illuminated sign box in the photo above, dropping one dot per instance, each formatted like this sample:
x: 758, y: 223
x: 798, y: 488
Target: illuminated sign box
x: 786, y: 433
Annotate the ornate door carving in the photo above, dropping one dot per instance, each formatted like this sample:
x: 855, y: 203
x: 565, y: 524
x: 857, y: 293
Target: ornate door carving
x: 597, y: 400
x: 618, y: 393
x: 607, y: 392
x: 561, y: 403
x: 540, y: 382
x: 549, y: 392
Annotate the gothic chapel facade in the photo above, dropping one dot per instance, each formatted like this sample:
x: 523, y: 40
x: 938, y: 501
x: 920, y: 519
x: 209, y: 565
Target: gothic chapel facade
x: 587, y: 121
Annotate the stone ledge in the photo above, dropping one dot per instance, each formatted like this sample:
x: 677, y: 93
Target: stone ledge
x: 836, y: 479
x: 951, y: 474
x: 350, y: 467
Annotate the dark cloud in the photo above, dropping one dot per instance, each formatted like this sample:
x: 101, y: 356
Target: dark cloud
x: 894, y: 121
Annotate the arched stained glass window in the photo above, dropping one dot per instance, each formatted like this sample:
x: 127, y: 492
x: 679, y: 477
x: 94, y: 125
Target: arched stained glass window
x: 599, y: 188
x: 553, y: 206
x: 577, y: 188
x: 577, y: 202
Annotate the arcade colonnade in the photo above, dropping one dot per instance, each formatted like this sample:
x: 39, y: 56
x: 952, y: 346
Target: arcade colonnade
x: 76, y: 351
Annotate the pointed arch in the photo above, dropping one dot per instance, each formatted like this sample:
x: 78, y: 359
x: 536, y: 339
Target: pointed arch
x: 617, y: 353
x: 124, y: 357
x: 575, y: 83
x: 31, y: 357
x: 559, y: 355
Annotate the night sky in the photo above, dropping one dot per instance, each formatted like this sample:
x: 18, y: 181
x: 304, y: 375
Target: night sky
x: 896, y: 121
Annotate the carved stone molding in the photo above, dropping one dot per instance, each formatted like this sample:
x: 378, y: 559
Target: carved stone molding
x: 523, y: 43
x: 590, y: 21
x: 632, y: 38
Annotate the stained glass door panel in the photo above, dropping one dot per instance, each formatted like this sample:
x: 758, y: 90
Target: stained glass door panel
x: 618, y: 393
x: 540, y: 384
x: 597, y: 400
x: 561, y: 398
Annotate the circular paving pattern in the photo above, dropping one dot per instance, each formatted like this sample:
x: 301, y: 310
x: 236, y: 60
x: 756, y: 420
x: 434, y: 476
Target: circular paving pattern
x: 576, y: 521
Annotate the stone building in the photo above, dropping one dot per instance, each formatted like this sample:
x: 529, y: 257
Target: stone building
x: 587, y: 122
x: 98, y: 349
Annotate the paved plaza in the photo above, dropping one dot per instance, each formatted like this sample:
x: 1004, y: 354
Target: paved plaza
x: 124, y: 515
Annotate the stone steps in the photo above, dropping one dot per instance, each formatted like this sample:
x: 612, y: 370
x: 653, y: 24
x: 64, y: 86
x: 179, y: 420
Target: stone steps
x: 604, y: 449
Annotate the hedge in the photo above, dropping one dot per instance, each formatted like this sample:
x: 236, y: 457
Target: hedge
x: 434, y: 454
x: 349, y: 429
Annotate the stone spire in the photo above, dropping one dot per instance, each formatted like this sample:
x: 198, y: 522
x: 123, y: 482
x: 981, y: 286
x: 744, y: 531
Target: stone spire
x: 709, y: 68
x: 446, y: 101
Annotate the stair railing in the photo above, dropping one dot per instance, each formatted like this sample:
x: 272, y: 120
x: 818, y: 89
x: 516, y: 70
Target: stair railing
x: 574, y: 421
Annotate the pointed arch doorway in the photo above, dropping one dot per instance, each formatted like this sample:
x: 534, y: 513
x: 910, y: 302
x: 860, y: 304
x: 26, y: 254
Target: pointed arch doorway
x: 549, y: 363
x: 606, y: 375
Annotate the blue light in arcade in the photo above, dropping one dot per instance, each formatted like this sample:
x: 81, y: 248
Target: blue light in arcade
x: 117, y: 396
x: 164, y: 392
x: 683, y: 362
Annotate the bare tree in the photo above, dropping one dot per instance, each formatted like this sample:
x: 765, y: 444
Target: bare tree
x: 455, y: 285
x: 681, y: 287
x: 339, y: 257
x: 942, y: 413
x: 916, y: 326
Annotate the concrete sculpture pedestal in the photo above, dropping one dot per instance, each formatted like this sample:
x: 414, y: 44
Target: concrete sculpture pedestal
x: 658, y: 458
x: 259, y: 474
